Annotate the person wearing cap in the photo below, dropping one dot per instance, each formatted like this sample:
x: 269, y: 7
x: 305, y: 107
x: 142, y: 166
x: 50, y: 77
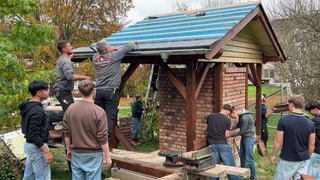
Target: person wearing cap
x: 295, y: 137
x: 219, y: 125
x: 106, y: 63
x: 265, y: 114
x: 313, y: 107
x: 245, y: 124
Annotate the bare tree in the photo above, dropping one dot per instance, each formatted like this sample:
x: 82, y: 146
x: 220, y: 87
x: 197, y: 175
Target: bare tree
x: 296, y: 24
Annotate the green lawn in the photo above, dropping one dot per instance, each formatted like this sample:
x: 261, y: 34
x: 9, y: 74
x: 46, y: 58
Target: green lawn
x: 266, y: 89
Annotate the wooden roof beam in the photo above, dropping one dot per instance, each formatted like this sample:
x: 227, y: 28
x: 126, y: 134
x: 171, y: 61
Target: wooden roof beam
x: 255, y: 76
x: 271, y: 59
x: 202, y: 78
x: 176, y: 82
x: 132, y: 67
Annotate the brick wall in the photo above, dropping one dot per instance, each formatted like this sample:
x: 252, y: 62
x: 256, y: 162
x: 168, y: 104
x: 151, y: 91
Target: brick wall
x: 173, y: 106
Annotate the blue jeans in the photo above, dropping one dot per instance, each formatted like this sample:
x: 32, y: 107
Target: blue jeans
x: 246, y: 154
x: 36, y: 164
x: 86, y: 165
x: 108, y: 99
x: 289, y: 169
x: 223, y: 153
x: 136, y: 128
x: 314, y: 166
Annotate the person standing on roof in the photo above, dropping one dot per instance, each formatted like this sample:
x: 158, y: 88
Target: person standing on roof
x: 66, y: 76
x: 107, y: 63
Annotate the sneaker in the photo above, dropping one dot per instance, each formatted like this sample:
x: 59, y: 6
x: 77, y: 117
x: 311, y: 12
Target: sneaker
x: 137, y: 142
x: 133, y: 142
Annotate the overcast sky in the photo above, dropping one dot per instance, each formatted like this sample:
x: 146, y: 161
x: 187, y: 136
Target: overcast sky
x: 144, y: 8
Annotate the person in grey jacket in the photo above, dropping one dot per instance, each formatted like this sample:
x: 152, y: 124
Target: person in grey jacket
x: 248, y: 137
x: 63, y: 86
x: 108, y: 78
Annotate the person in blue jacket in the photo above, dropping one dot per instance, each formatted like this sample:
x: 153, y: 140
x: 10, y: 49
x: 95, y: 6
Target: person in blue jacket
x: 137, y: 111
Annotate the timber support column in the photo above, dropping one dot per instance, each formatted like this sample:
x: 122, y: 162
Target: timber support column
x: 190, y: 105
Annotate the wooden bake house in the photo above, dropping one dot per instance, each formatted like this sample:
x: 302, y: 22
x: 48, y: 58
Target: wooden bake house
x: 206, y: 58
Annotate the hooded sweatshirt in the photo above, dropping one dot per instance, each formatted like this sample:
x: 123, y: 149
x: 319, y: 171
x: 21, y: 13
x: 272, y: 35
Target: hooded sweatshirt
x: 246, y: 125
x: 34, y: 123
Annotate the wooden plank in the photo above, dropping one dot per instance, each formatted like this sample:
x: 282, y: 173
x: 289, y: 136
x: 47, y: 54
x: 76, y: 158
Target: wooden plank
x: 242, y: 49
x: 53, y: 108
x: 126, y: 174
x: 241, y: 55
x: 141, y: 163
x: 175, y: 176
x: 232, y: 60
x: 222, y: 170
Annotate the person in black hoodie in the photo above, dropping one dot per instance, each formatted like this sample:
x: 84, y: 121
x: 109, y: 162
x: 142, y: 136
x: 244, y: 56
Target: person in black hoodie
x: 35, y: 128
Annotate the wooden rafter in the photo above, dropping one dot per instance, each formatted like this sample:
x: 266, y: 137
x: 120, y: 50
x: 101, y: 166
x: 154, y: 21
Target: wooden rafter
x: 254, y: 74
x: 130, y: 70
x: 202, y: 78
x: 176, y: 82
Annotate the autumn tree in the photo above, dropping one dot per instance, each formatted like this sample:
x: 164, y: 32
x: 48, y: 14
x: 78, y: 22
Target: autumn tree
x: 87, y: 21
x: 20, y: 35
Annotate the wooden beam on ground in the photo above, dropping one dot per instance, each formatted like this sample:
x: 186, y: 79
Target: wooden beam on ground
x: 222, y: 170
x: 175, y: 176
x: 142, y: 167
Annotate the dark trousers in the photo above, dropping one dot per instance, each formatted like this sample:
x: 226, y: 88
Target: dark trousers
x: 264, y: 133
x: 65, y: 98
x: 108, y: 99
